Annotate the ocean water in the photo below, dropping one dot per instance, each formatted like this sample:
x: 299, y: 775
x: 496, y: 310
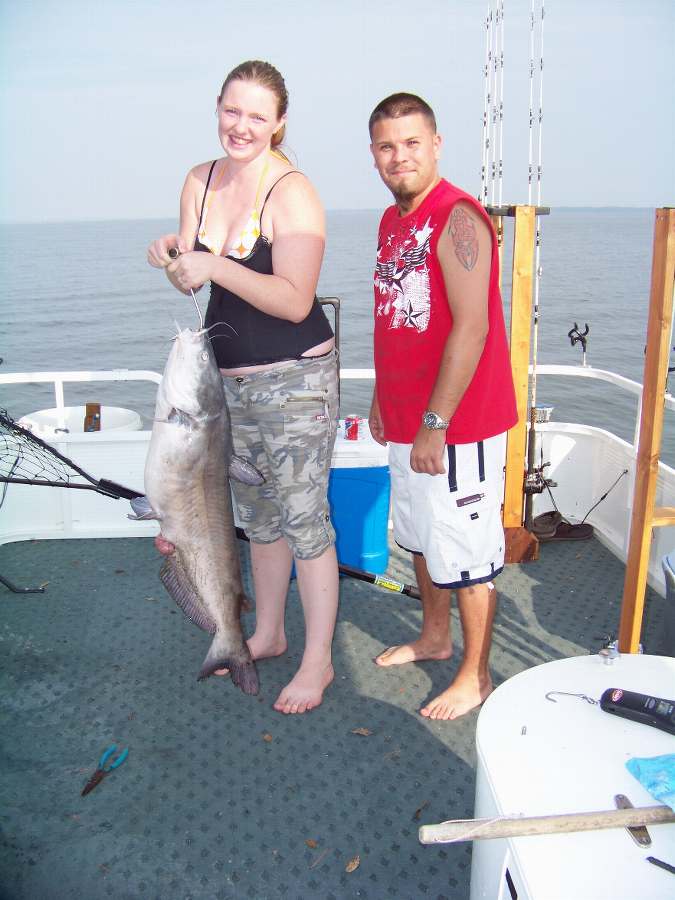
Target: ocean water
x: 82, y: 296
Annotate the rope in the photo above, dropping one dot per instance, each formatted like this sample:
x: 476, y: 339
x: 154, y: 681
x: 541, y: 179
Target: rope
x: 597, y: 502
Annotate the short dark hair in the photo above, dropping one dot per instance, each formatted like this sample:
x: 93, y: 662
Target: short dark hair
x: 398, y: 105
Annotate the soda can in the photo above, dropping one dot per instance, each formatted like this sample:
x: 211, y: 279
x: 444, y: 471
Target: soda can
x: 352, y: 428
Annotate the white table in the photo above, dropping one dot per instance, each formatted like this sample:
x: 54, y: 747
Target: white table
x: 536, y: 757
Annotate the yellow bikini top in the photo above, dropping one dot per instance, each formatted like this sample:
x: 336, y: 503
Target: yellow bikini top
x: 251, y: 230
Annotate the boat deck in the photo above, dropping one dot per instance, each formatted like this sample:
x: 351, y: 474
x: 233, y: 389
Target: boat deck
x: 221, y: 797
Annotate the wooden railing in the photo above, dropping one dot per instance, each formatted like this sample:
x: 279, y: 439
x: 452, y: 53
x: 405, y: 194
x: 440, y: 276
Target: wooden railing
x: 645, y: 517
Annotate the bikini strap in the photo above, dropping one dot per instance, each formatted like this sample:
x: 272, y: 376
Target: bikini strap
x: 206, y: 190
x: 285, y: 175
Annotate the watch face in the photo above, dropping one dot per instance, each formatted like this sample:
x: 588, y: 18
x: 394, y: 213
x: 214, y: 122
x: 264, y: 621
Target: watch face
x: 433, y: 420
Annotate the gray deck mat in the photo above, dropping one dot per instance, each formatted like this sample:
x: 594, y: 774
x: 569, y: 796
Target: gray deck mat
x: 220, y: 796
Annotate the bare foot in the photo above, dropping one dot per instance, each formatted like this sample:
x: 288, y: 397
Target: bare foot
x: 465, y: 693
x: 305, y: 690
x: 417, y: 650
x: 261, y: 649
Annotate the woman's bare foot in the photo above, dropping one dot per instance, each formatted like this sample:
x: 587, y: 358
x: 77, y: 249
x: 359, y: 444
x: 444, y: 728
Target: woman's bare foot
x: 417, y: 650
x: 464, y: 694
x: 305, y: 690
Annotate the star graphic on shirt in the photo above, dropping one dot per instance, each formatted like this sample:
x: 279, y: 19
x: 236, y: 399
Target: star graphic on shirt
x: 389, y: 240
x: 424, y: 233
x: 411, y: 314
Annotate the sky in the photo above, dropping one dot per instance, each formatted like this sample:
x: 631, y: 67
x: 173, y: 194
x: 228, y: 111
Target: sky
x: 105, y: 106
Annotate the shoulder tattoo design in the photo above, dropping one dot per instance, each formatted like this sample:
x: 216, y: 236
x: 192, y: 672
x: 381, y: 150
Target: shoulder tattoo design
x: 463, y: 233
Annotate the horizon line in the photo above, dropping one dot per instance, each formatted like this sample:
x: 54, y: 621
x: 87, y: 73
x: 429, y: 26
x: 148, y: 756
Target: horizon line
x: 90, y: 219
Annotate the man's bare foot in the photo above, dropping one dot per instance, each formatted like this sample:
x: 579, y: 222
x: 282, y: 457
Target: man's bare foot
x: 261, y: 649
x: 305, y: 690
x: 417, y: 650
x: 465, y: 693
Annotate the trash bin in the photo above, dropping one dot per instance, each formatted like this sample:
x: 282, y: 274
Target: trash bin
x: 50, y: 423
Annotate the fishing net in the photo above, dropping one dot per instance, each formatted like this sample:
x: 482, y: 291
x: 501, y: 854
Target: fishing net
x: 27, y: 459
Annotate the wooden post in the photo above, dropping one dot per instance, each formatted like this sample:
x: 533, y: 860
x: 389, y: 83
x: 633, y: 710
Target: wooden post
x: 520, y: 544
x: 498, y: 225
x: 644, y: 517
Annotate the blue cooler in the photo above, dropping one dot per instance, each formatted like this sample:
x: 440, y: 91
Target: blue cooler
x: 358, y: 493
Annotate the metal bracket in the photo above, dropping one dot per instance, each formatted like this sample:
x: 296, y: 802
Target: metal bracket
x: 510, y: 210
x: 639, y: 833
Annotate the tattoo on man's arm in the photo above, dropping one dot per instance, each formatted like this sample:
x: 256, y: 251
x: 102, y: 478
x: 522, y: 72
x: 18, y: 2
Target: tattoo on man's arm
x: 463, y: 233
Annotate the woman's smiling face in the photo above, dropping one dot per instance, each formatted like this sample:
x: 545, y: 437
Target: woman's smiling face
x: 248, y: 116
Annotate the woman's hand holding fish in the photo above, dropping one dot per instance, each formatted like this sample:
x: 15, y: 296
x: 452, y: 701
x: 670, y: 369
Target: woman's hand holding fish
x: 191, y: 270
x: 158, y: 251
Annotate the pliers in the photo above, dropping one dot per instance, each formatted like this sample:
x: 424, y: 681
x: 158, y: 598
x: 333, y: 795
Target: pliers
x: 102, y: 769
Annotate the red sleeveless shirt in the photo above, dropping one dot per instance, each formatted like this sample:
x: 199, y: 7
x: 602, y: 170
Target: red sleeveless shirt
x: 413, y: 321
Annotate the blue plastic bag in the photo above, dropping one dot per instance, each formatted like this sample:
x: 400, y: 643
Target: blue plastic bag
x: 657, y: 775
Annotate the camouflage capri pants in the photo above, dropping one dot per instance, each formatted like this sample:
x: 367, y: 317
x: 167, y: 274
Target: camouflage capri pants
x: 284, y: 423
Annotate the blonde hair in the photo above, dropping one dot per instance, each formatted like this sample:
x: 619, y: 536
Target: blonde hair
x: 264, y: 74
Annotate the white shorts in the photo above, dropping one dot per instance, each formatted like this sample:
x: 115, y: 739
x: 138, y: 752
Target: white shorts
x: 453, y: 520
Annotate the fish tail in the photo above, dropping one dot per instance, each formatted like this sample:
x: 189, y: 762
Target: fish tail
x: 243, y: 671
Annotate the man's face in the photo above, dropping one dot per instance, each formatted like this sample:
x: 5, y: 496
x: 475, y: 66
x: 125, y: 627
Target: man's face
x: 406, y: 153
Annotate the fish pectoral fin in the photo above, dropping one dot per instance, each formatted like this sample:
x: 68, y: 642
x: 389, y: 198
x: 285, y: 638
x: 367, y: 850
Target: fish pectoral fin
x: 244, y: 471
x: 222, y: 655
x: 180, y: 417
x: 142, y: 509
x: 177, y: 582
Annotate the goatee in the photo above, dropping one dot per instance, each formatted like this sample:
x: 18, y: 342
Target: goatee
x: 404, y: 198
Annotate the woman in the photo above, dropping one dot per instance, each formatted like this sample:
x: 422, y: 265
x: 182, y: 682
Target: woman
x: 253, y: 226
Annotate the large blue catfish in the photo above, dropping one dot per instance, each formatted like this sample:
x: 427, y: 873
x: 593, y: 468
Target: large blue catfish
x: 186, y: 483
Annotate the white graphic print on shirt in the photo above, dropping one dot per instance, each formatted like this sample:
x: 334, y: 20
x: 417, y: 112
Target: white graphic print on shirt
x: 402, y: 278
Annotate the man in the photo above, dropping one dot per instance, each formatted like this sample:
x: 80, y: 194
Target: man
x: 443, y: 396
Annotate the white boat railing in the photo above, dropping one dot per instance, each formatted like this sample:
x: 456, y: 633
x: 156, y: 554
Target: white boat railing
x: 619, y: 381
x: 584, y: 461
x: 625, y: 384
x: 60, y: 378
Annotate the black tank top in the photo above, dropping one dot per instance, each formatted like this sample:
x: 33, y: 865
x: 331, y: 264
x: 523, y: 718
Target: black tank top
x: 241, y: 334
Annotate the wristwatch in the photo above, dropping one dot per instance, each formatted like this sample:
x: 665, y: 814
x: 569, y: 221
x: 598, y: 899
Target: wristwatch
x: 434, y: 422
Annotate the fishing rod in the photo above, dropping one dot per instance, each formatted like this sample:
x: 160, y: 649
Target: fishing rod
x: 534, y: 479
x: 380, y: 580
x: 27, y: 459
x: 174, y: 253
